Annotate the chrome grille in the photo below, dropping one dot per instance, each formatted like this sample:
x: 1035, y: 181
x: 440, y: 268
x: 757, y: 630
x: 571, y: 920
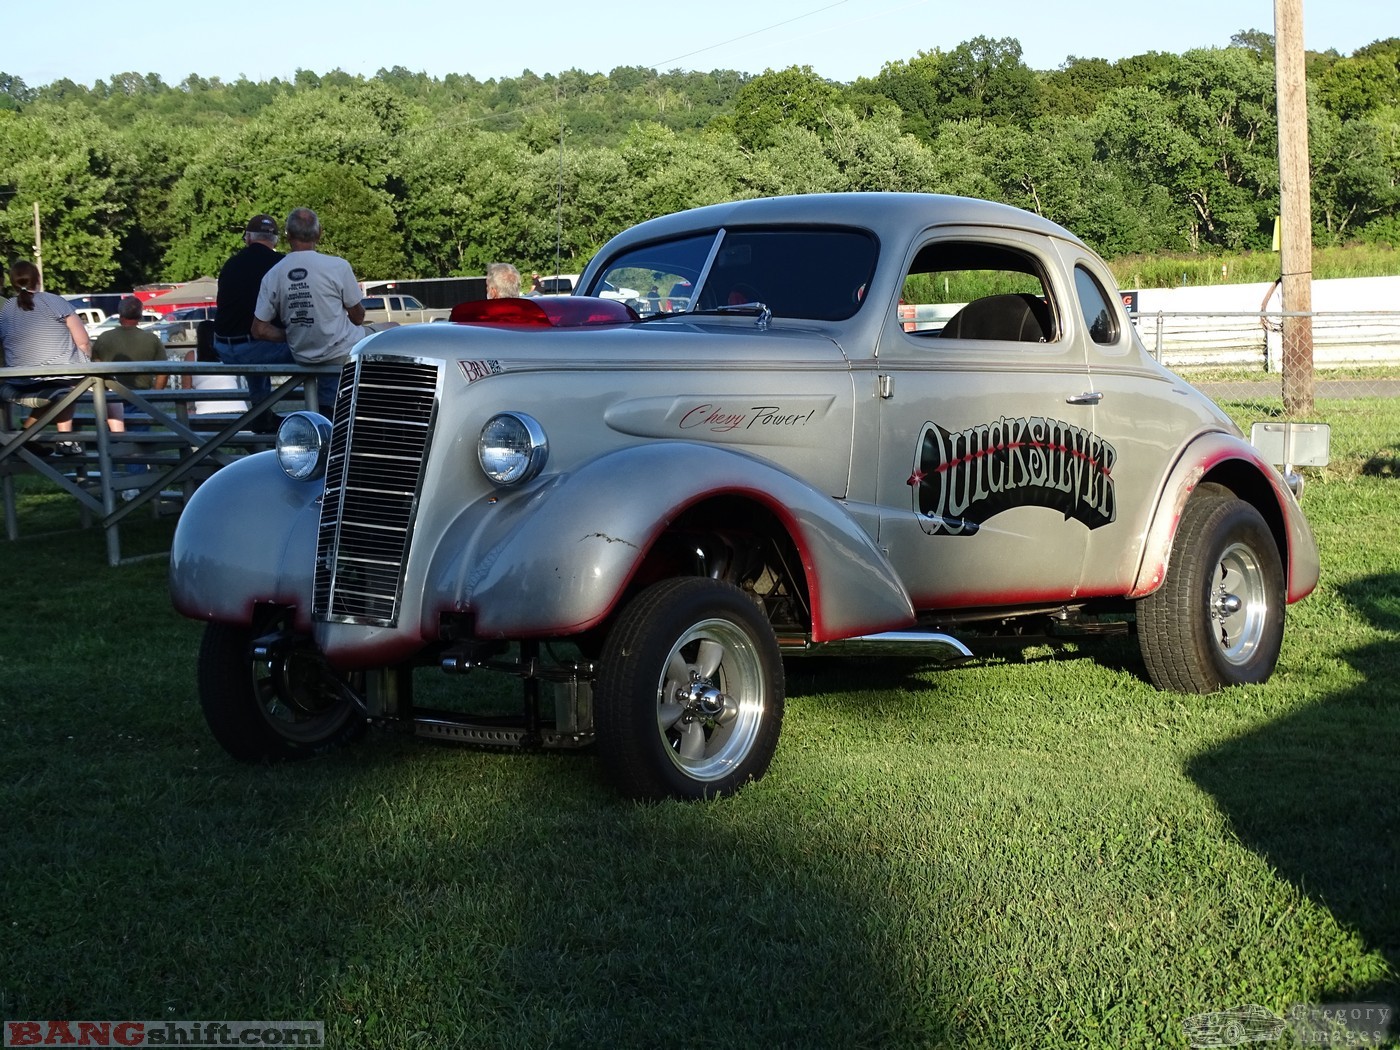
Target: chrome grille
x: 384, y: 413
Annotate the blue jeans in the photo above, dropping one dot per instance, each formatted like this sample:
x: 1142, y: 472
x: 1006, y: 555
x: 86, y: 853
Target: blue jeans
x: 326, y: 388
x: 254, y: 352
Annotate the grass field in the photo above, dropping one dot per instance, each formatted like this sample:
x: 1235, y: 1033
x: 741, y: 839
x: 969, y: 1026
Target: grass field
x: 1037, y: 850
x: 1168, y: 271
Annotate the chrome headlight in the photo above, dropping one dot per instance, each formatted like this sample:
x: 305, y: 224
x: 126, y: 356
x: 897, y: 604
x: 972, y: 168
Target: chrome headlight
x: 304, y: 445
x: 512, y: 448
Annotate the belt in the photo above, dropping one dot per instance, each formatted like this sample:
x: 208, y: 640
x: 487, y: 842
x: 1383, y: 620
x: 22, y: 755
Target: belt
x: 233, y: 340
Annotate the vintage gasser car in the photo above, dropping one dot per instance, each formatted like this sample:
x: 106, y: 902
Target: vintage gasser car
x: 641, y: 518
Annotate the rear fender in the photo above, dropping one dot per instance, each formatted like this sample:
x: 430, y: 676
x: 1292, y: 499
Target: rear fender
x: 1229, y: 461
x: 556, y: 559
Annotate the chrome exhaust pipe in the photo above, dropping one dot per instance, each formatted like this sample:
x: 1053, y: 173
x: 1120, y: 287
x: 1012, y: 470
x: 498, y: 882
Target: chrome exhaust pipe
x: 932, y: 645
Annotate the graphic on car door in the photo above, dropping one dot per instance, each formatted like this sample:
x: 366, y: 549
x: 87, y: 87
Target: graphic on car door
x: 962, y: 479
x: 991, y: 474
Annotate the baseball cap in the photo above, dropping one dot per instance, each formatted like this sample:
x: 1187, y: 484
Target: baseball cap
x: 261, y: 224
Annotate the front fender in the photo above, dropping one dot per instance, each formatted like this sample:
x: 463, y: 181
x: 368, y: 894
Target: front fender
x: 247, y: 536
x: 1238, y: 465
x: 555, y: 560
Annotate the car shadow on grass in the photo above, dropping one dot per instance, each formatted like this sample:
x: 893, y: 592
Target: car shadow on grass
x: 406, y: 893
x: 903, y: 671
x: 1315, y: 793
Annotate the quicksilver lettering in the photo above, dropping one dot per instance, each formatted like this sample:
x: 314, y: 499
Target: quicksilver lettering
x: 963, y: 478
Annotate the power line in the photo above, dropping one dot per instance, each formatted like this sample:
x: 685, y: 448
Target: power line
x: 755, y: 32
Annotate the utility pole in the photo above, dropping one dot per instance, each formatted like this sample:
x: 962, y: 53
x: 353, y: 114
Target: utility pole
x: 1295, y: 197
x: 559, y: 206
x: 38, y: 246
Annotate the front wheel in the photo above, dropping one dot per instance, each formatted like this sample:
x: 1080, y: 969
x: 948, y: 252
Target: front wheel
x: 268, y: 708
x: 689, y: 695
x: 1217, y: 619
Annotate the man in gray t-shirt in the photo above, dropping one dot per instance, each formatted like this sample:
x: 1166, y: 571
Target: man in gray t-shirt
x: 316, y: 300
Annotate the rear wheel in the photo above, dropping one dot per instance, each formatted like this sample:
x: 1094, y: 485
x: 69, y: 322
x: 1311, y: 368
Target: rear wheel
x: 1217, y: 619
x: 284, y: 705
x: 689, y: 696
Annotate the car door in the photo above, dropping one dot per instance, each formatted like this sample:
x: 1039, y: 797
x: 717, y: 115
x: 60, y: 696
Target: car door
x: 1143, y: 416
x: 991, y: 477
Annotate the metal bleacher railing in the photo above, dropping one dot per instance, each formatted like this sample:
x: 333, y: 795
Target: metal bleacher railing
x: 165, y: 450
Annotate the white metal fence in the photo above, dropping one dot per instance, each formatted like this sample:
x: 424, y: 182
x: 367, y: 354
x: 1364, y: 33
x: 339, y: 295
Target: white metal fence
x: 1254, y: 340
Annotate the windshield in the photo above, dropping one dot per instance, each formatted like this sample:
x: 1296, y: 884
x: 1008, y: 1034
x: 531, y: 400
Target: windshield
x: 816, y: 273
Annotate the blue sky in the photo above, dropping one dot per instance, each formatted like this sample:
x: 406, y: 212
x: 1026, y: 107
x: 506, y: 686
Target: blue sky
x: 88, y: 40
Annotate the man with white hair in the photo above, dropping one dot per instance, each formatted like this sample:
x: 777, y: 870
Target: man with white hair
x: 502, y: 281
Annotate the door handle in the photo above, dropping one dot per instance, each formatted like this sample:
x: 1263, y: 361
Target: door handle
x: 1089, y: 397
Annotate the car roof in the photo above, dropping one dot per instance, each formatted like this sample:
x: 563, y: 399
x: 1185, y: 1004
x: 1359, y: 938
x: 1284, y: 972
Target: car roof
x: 900, y: 214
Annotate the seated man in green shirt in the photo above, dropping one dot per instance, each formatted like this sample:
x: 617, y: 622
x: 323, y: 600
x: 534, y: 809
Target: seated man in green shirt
x: 128, y: 342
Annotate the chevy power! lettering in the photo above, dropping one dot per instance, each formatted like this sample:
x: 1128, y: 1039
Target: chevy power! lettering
x: 722, y: 420
x: 960, y: 480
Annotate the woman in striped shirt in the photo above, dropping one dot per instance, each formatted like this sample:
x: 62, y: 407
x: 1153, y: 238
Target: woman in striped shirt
x: 39, y: 328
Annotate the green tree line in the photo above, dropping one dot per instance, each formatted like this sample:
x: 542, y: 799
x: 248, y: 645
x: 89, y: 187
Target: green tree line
x: 138, y: 181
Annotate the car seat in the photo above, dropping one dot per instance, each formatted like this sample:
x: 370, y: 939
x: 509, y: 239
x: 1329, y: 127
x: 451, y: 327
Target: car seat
x: 1014, y: 317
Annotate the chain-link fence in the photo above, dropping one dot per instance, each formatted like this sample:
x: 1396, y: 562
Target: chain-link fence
x: 1238, y: 358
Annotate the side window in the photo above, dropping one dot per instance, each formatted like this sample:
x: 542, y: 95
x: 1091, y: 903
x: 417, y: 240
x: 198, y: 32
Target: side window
x: 1100, y: 318
x: 975, y: 290
x: 373, y: 302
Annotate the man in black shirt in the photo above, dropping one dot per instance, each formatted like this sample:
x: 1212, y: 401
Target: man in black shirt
x: 239, y: 281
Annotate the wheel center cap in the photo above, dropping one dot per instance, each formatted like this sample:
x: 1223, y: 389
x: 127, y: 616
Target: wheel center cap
x: 703, y: 698
x: 1228, y: 605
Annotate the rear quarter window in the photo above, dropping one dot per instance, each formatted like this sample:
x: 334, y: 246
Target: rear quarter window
x: 1100, y: 317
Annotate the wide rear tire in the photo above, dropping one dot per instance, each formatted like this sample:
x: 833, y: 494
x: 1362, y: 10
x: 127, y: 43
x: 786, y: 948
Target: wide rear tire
x: 1217, y: 619
x: 689, y: 696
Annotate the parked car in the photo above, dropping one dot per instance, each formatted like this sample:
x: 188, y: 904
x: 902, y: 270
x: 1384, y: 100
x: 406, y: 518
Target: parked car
x: 558, y: 284
x: 566, y: 283
x: 194, y: 313
x: 640, y: 519
x: 148, y: 318
x: 405, y: 309
x: 91, y: 317
x: 176, y: 334
x: 104, y: 302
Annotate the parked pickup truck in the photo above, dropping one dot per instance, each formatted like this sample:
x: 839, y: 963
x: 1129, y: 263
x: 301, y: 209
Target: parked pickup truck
x: 404, y: 309
x: 91, y: 317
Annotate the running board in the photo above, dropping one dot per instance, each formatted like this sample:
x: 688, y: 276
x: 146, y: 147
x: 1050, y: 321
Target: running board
x: 479, y: 735
x: 571, y: 727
